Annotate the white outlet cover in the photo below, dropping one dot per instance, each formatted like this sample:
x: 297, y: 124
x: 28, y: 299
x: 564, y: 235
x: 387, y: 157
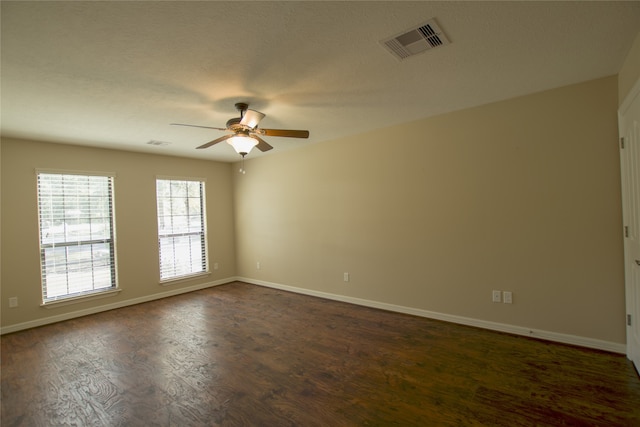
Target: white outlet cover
x: 507, y: 297
x: 496, y: 296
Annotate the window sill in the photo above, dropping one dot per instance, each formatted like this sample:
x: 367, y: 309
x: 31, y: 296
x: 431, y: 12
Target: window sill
x: 80, y: 298
x: 173, y: 280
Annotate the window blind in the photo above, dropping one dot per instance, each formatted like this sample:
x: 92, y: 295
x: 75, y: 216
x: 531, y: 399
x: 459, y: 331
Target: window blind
x: 77, y: 250
x: 181, y: 228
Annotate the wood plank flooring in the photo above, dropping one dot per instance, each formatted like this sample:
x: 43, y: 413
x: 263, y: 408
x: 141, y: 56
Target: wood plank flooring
x: 244, y: 355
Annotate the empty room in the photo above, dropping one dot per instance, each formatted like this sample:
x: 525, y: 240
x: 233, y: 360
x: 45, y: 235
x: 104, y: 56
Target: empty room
x: 318, y: 213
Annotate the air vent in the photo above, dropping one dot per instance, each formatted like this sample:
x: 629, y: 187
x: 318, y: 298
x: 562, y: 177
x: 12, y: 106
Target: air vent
x: 416, y: 40
x: 158, y: 143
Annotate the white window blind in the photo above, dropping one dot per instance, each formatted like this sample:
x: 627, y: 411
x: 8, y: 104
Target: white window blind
x: 181, y: 228
x: 77, y: 251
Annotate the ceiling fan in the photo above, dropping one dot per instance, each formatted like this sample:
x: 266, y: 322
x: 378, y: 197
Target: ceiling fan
x: 245, y: 131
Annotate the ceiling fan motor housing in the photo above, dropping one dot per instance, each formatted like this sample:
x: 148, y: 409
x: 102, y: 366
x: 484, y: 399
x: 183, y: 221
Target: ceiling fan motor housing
x: 234, y: 124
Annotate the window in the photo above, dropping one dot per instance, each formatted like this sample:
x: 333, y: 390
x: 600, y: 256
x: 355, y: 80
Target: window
x: 77, y: 251
x: 181, y: 228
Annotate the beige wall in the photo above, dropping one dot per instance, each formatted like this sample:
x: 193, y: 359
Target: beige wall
x: 136, y: 226
x: 630, y: 72
x: 520, y: 195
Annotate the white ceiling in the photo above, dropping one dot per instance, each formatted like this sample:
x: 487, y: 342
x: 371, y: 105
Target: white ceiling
x: 116, y: 74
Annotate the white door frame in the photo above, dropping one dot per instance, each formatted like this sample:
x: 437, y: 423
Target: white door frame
x: 631, y: 217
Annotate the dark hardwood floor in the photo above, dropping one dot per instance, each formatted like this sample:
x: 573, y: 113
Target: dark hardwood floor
x: 244, y: 355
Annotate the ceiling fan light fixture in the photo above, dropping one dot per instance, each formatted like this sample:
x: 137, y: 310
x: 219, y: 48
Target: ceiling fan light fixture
x: 242, y: 144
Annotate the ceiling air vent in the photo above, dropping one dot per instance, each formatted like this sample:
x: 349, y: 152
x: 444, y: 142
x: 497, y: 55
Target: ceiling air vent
x: 416, y: 40
x: 158, y: 143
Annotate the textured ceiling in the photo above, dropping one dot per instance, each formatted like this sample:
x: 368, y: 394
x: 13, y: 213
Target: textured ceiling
x: 116, y: 74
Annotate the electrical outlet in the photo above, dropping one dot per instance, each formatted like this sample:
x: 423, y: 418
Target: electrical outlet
x: 496, y: 296
x: 258, y: 265
x: 215, y: 266
x: 507, y: 297
x: 346, y: 277
x: 13, y: 302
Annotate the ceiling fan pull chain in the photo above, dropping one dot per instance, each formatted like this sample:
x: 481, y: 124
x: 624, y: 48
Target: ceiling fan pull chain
x: 242, y: 170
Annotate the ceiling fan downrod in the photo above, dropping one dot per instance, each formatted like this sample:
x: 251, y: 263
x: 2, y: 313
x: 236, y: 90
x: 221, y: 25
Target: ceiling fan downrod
x: 242, y: 107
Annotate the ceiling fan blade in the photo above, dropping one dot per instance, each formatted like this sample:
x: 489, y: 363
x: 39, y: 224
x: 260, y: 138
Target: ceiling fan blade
x: 262, y: 144
x: 251, y: 118
x: 197, y: 126
x: 215, y: 141
x: 289, y: 133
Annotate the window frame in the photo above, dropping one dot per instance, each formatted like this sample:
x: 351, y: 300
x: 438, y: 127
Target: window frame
x: 69, y: 243
x: 202, y: 232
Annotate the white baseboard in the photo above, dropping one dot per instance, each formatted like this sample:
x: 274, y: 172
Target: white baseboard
x: 494, y: 326
x: 93, y: 310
